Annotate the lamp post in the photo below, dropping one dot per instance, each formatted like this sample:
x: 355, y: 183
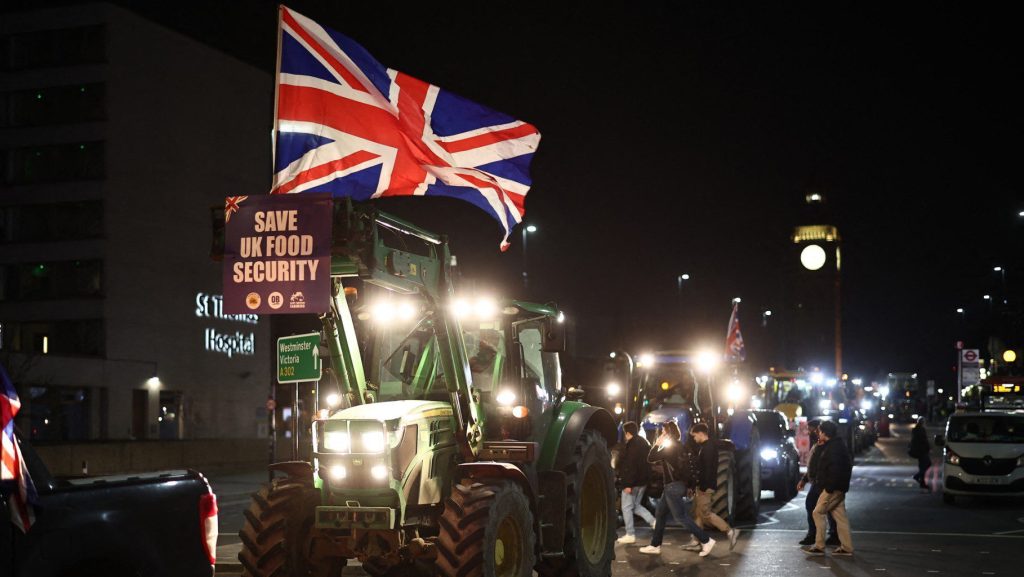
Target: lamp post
x: 679, y: 282
x: 1002, y: 283
x: 526, y: 230
x: 764, y: 317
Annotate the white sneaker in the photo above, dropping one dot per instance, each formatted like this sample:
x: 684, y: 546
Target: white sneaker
x: 705, y: 549
x: 626, y: 539
x: 651, y: 550
x: 693, y: 545
x: 733, y: 534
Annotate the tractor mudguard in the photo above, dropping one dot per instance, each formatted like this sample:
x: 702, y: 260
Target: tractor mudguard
x: 573, y: 418
x: 740, y: 426
x: 298, y: 470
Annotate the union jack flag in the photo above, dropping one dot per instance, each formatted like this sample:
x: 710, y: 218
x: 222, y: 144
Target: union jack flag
x: 347, y: 125
x: 733, y: 339
x: 13, y: 470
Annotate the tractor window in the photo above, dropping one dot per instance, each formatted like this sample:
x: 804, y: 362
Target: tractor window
x: 530, y: 341
x: 407, y: 364
x: 485, y: 348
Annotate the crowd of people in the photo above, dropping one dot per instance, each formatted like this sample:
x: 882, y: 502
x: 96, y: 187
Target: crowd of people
x: 688, y: 470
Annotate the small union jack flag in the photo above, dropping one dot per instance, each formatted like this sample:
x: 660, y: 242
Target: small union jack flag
x: 231, y: 206
x: 733, y: 339
x: 13, y: 471
x: 347, y: 125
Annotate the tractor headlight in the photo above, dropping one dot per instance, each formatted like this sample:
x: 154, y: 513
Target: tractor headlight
x: 825, y: 404
x: 373, y: 442
x: 613, y: 389
x: 506, y: 398
x: 379, y: 472
x: 338, y: 472
x: 337, y: 441
x: 769, y: 454
x: 734, y: 392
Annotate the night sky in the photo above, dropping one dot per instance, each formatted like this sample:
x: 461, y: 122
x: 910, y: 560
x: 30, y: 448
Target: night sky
x: 684, y: 139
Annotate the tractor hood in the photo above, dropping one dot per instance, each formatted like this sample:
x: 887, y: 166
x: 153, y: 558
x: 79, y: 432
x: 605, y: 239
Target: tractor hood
x: 391, y: 410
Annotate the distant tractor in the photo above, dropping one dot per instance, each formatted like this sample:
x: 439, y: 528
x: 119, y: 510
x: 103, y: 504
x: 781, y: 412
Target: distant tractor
x: 454, y: 444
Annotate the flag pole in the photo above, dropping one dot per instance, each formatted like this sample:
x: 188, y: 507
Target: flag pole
x: 277, y: 89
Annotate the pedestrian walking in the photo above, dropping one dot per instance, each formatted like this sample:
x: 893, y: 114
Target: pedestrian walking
x: 835, y: 468
x: 921, y: 450
x: 707, y: 483
x: 634, y: 472
x: 669, y: 451
x: 815, y: 491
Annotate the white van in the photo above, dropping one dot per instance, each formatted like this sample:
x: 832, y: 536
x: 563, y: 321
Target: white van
x: 983, y: 455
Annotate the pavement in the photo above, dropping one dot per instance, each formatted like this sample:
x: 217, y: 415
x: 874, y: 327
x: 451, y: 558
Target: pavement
x: 898, y: 530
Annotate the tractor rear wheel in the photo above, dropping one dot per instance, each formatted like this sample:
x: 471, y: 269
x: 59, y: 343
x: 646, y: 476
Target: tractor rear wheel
x: 590, y: 500
x: 278, y: 538
x: 748, y: 479
x: 486, y: 531
x: 723, y: 501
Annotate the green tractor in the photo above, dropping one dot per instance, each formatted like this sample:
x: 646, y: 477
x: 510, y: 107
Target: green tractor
x: 455, y: 448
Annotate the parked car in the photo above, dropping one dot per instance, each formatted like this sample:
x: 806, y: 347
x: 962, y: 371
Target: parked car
x: 148, y: 524
x: 983, y: 454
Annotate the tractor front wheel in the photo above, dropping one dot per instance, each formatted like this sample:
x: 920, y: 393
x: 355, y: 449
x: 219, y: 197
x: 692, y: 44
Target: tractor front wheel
x: 278, y: 538
x: 724, y: 498
x: 590, y: 512
x: 486, y: 531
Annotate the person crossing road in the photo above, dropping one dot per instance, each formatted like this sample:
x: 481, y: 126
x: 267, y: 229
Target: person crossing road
x: 706, y: 484
x: 835, y: 467
x: 634, y: 472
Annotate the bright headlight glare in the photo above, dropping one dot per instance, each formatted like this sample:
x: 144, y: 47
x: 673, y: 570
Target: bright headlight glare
x: 506, y: 398
x: 865, y: 405
x: 733, y: 392
x: 383, y: 312
x: 486, y: 308
x: 336, y: 441
x: 373, y: 442
x: 379, y: 472
x: 769, y: 454
x: 755, y: 403
x: 952, y: 458
x: 825, y: 404
x: 406, y: 311
x: 614, y: 389
x: 332, y: 400
x: 338, y: 472
x: 707, y: 361
x: 461, y: 308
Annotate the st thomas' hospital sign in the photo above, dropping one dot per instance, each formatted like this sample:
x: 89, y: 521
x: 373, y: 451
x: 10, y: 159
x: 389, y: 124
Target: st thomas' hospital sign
x: 211, y: 306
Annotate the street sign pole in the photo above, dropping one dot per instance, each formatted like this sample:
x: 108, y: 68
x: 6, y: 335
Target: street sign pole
x: 298, y: 361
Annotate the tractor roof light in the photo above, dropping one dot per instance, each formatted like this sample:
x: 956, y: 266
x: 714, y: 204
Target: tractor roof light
x: 613, y: 389
x: 707, y: 361
x: 646, y: 360
x: 734, y: 392
x: 506, y: 398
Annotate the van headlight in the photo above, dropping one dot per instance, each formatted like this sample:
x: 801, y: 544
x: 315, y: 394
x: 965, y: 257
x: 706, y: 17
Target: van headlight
x: 954, y: 459
x: 769, y: 454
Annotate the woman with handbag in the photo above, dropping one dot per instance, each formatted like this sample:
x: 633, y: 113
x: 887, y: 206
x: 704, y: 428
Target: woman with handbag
x: 669, y: 452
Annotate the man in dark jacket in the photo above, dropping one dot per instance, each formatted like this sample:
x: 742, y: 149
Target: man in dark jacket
x: 707, y: 483
x: 921, y: 450
x: 834, y: 471
x: 634, y: 472
x: 815, y: 491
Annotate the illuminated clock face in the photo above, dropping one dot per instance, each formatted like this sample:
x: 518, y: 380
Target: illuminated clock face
x: 812, y: 257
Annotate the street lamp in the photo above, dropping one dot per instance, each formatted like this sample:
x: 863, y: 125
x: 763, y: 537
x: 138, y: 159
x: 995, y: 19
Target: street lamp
x: 526, y: 230
x: 764, y: 317
x: 1002, y: 275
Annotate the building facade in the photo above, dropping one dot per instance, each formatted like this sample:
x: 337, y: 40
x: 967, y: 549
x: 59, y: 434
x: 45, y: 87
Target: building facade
x: 117, y: 136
